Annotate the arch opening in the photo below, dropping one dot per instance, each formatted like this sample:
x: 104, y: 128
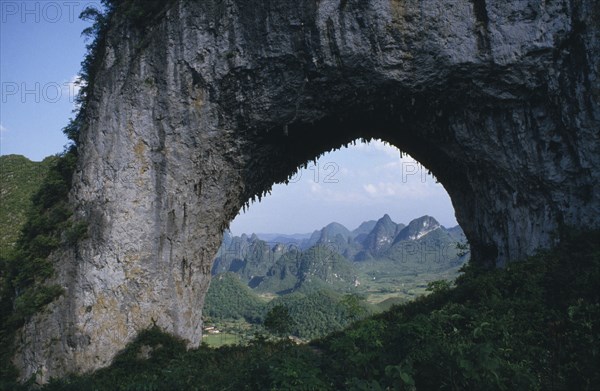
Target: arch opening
x: 360, y: 175
x: 364, y: 225
x: 417, y: 131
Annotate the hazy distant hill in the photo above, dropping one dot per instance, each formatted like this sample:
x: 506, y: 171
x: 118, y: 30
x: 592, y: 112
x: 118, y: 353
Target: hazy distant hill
x: 245, y: 256
x: 316, y: 267
x: 283, y: 238
x: 337, y: 258
x: 364, y: 228
x: 417, y: 228
x: 381, y: 236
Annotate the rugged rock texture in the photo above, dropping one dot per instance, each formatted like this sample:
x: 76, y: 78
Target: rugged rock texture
x: 217, y: 100
x: 418, y: 228
x: 382, y: 236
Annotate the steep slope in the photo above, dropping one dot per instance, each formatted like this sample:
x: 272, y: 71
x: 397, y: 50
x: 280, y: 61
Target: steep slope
x: 331, y: 232
x: 428, y: 247
x: 339, y: 239
x: 381, y: 236
x: 315, y: 268
x: 229, y: 298
x: 417, y: 228
x: 20, y: 178
x: 457, y: 234
x: 364, y: 228
x: 249, y: 257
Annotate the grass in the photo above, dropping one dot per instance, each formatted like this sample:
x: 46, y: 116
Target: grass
x: 390, y: 282
x: 221, y: 339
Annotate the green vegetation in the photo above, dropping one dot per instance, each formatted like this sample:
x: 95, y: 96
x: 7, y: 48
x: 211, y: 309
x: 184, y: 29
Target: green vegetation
x: 317, y: 313
x: 25, y: 269
x: 25, y: 266
x: 379, y: 260
x: 309, y: 313
x: 320, y: 280
x: 222, y: 339
x: 383, y: 280
x: 20, y: 178
x: 278, y: 320
x: 532, y: 326
x: 229, y: 298
x: 315, y: 268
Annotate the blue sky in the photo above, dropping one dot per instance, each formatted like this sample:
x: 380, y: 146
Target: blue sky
x: 349, y: 186
x: 41, y: 49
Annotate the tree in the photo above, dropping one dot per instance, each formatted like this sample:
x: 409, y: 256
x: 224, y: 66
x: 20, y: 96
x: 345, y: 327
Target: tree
x: 353, y: 307
x: 278, y: 320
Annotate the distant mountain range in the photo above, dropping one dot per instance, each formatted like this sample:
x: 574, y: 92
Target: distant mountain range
x: 336, y: 257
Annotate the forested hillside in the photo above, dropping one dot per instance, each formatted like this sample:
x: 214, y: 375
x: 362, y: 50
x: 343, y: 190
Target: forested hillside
x: 229, y: 298
x: 38, y: 222
x: 20, y: 178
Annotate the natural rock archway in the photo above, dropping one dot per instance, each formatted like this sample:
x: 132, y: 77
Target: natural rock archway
x: 219, y: 99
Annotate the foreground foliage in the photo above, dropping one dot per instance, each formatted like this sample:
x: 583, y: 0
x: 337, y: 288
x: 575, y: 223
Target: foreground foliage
x: 534, y: 325
x: 25, y: 269
x: 20, y: 179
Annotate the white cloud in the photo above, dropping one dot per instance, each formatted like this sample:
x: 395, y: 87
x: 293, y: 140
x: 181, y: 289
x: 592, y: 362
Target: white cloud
x: 346, y: 172
x: 328, y: 192
x: 398, y: 163
x: 72, y: 87
x: 397, y: 189
x: 370, y: 189
x: 315, y: 188
x: 3, y: 130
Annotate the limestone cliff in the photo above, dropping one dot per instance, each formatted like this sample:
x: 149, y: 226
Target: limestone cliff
x: 216, y: 100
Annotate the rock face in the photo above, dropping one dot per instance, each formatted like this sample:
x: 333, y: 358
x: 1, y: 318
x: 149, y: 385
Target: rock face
x: 217, y: 100
x: 418, y: 228
x: 382, y: 236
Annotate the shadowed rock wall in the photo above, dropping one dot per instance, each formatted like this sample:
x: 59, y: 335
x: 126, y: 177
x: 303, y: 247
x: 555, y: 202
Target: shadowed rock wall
x: 218, y: 100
